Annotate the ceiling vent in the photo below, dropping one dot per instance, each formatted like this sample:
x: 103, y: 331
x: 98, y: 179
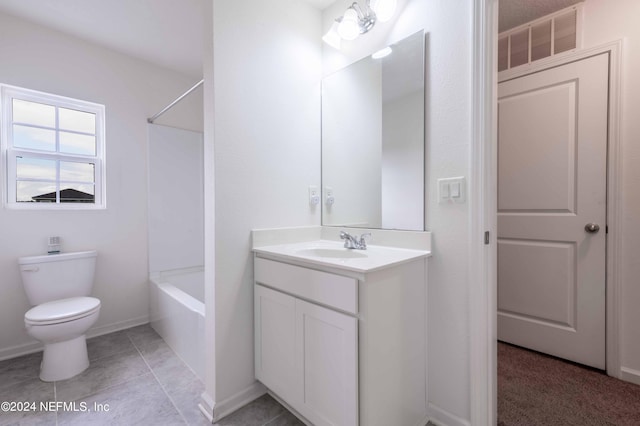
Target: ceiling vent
x: 553, y: 34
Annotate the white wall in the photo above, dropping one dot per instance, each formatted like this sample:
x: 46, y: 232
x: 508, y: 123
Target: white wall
x: 132, y: 90
x: 448, y: 25
x: 606, y: 21
x: 267, y: 70
x: 186, y: 114
x: 176, y: 198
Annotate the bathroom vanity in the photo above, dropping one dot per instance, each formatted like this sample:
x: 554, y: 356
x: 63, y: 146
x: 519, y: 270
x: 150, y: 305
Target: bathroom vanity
x: 340, y: 335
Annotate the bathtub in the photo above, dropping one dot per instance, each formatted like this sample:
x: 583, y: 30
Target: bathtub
x: 177, y: 313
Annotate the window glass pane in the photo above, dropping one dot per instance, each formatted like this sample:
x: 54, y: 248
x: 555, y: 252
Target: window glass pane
x: 35, y: 168
x: 29, y: 192
x: 77, y: 121
x: 565, y: 32
x: 520, y: 48
x: 33, y: 138
x: 541, y: 41
x: 76, y: 193
x: 503, y: 53
x: 77, y: 172
x: 34, y: 113
x: 73, y: 143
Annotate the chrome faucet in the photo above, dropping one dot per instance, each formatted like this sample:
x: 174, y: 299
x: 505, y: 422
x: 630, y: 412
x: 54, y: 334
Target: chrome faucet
x: 351, y: 242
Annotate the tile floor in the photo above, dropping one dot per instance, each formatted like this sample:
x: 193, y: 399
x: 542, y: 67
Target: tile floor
x: 137, y: 376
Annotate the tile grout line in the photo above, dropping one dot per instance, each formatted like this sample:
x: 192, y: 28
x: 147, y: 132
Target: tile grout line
x: 98, y: 391
x: 158, y: 381
x: 55, y: 397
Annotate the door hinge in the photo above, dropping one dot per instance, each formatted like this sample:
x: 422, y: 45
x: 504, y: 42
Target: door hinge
x: 486, y: 237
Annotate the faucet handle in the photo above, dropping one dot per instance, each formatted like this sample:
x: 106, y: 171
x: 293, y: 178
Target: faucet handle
x: 363, y: 239
x: 349, y: 240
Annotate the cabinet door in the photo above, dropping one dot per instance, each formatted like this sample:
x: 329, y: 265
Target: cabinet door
x: 327, y: 365
x: 275, y: 341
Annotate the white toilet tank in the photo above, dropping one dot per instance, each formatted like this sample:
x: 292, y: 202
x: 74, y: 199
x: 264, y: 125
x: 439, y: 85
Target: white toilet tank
x: 57, y: 276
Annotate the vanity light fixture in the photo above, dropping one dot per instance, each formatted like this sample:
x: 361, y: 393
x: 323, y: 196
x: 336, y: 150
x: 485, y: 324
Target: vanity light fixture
x: 332, y: 38
x: 382, y: 53
x: 359, y: 20
x: 349, y: 26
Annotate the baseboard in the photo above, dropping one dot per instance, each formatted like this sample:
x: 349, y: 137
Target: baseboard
x: 206, y: 406
x: 224, y: 408
x: 630, y: 375
x: 117, y: 326
x: 19, y: 350
x: 424, y: 421
x: 441, y: 417
x: 34, y: 346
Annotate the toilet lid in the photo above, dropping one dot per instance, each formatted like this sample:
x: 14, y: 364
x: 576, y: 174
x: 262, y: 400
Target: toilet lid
x: 62, y: 310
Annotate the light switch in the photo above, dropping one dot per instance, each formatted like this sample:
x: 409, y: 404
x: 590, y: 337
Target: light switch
x: 444, y: 191
x: 451, y: 190
x: 455, y: 189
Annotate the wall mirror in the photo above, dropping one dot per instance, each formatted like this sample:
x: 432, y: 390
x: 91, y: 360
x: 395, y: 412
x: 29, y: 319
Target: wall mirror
x: 373, y: 140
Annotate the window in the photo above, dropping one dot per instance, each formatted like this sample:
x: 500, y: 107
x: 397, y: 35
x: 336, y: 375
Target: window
x: 53, y: 151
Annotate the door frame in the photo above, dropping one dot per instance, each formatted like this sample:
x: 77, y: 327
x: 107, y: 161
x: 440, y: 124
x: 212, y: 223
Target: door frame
x: 482, y: 279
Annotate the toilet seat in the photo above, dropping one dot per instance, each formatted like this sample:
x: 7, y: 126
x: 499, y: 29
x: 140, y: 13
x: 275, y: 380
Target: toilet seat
x: 63, y: 310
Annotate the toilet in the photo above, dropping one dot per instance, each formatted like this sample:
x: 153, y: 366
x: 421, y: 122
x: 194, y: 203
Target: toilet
x: 58, y: 287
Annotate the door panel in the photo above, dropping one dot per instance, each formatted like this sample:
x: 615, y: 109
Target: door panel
x: 542, y: 281
x: 552, y: 140
x: 275, y: 341
x: 327, y: 360
x: 538, y: 163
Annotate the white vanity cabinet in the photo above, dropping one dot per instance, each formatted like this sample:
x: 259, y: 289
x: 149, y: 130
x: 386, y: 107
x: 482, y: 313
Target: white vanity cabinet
x: 306, y: 354
x: 343, y: 347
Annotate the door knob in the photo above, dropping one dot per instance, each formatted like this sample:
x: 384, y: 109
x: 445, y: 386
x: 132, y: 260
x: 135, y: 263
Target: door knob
x: 592, y: 228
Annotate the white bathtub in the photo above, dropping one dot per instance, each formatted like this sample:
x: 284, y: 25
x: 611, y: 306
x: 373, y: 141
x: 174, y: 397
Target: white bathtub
x: 177, y: 313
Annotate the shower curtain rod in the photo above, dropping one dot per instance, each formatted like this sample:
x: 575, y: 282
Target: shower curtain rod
x: 168, y: 107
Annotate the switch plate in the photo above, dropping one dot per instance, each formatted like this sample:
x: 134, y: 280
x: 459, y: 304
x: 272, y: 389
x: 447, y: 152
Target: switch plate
x: 452, y: 190
x: 314, y: 195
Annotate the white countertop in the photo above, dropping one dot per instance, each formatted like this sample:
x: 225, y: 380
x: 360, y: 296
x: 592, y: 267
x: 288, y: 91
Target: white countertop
x: 372, y: 259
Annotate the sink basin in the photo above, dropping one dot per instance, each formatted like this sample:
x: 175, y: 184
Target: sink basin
x: 333, y: 253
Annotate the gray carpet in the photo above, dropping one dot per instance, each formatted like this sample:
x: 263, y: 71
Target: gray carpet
x: 538, y: 390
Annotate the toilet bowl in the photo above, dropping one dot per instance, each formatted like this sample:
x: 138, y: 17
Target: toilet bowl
x: 58, y: 287
x: 61, y: 326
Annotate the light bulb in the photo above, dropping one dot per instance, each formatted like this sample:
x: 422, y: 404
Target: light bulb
x: 349, y: 28
x: 384, y: 9
x: 382, y: 53
x: 331, y: 37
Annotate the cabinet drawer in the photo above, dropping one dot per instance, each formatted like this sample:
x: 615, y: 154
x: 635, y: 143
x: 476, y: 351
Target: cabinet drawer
x: 322, y: 287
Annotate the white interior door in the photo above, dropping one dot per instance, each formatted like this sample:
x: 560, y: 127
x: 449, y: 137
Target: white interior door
x: 552, y: 164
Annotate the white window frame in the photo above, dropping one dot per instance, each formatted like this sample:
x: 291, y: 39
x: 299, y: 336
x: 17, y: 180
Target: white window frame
x: 10, y: 153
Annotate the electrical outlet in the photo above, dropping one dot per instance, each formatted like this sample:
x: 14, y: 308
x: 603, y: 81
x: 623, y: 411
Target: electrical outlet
x: 329, y: 199
x: 314, y: 195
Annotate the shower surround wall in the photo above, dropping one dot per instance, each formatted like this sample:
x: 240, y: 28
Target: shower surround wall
x: 39, y: 58
x: 176, y: 241
x: 176, y: 199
